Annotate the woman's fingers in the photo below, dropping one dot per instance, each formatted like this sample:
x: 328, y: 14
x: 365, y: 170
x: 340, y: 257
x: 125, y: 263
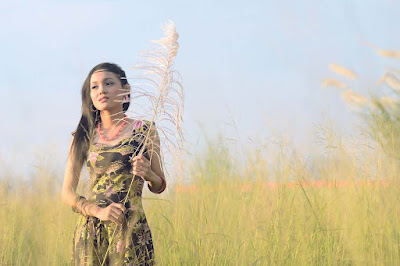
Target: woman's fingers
x: 116, y: 213
x: 112, y: 216
x: 139, y: 164
x: 140, y: 168
x: 140, y: 159
x: 139, y: 173
x: 116, y: 218
x: 136, y: 167
x: 121, y: 207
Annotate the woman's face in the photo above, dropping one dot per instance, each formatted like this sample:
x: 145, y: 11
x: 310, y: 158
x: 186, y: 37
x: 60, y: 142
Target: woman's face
x: 105, y: 87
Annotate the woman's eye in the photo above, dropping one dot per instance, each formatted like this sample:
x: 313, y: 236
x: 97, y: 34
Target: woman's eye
x: 94, y: 87
x: 109, y: 83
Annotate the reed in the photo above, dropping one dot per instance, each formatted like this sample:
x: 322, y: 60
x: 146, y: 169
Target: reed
x: 281, y: 207
x: 380, y: 108
x: 159, y: 85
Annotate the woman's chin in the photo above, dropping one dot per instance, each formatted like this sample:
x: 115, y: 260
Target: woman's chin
x: 109, y: 109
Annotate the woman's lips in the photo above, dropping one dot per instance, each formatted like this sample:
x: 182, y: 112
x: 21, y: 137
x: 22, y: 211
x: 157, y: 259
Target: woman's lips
x: 104, y: 99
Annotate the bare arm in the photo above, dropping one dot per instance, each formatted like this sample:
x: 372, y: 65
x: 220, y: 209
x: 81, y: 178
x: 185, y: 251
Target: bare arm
x: 70, y: 183
x: 113, y: 212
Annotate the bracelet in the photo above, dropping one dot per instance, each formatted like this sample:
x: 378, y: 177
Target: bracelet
x: 79, y: 201
x: 83, y: 205
x: 76, y: 200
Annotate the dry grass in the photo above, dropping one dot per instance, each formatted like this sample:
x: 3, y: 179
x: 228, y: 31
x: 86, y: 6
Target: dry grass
x: 331, y: 82
x: 281, y: 208
x: 341, y: 70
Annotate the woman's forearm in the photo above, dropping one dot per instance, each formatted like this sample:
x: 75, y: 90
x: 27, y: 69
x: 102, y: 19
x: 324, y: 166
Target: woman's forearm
x: 89, y: 208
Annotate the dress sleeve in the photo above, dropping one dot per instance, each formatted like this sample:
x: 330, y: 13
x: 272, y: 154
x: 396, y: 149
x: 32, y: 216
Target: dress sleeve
x: 163, y: 186
x: 146, y: 124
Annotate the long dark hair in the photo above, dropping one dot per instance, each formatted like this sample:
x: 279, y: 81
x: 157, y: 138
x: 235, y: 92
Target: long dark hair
x: 89, y: 119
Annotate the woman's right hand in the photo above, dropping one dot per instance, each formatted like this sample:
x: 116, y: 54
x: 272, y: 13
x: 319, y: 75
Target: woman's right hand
x: 113, y: 212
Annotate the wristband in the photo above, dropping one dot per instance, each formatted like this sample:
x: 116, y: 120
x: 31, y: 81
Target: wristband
x: 83, y: 205
x: 78, y: 201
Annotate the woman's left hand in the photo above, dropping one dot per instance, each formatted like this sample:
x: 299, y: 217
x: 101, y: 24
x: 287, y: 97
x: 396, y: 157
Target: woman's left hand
x: 142, y: 167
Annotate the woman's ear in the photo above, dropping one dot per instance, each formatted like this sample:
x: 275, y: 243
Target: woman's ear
x: 127, y: 88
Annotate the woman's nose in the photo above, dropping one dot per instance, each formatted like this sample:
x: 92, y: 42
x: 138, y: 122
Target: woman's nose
x: 101, y: 89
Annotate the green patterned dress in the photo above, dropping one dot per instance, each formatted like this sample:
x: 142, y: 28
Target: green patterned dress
x: 110, y: 176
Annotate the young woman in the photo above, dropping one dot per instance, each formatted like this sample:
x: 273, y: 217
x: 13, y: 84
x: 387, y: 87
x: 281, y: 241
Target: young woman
x: 112, y: 226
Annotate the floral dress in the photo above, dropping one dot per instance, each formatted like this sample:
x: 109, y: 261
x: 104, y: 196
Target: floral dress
x: 110, y: 177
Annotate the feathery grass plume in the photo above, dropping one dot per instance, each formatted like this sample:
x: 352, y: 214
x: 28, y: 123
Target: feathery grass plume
x: 381, y: 111
x: 388, y: 53
x: 354, y: 99
x: 384, y: 126
x: 164, y: 91
x: 331, y: 82
x: 347, y: 73
x: 389, y: 102
x: 326, y: 136
x: 393, y: 71
x: 158, y: 84
x: 391, y: 80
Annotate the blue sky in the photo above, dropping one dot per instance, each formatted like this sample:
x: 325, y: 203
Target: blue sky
x: 258, y: 62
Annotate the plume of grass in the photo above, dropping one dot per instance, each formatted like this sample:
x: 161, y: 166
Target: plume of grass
x: 345, y: 72
x: 392, y: 81
x: 384, y: 124
x: 388, y: 53
x: 331, y: 82
x: 161, y: 86
x: 158, y: 83
x: 225, y: 221
x: 381, y: 110
x: 389, y: 102
x: 354, y: 99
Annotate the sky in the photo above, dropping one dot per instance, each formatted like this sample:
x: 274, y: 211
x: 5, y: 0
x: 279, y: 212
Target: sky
x: 258, y: 64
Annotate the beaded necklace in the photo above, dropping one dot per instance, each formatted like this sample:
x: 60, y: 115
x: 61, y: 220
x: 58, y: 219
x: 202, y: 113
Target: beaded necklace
x: 115, y: 135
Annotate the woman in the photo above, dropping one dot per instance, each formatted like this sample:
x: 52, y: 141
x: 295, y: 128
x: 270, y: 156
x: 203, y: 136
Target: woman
x: 120, y: 154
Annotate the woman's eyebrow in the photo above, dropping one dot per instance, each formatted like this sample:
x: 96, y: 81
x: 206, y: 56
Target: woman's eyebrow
x: 105, y: 79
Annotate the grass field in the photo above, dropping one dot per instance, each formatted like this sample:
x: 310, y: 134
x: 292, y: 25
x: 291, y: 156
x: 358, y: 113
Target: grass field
x: 279, y: 209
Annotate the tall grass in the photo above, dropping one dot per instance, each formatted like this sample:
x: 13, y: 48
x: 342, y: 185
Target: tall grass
x: 280, y: 208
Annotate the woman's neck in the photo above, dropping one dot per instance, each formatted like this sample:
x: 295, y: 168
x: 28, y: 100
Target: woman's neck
x: 111, y: 120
